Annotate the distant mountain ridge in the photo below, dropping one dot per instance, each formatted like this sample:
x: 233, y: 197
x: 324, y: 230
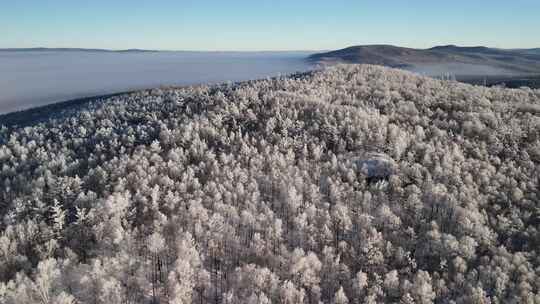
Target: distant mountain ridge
x: 44, y: 49
x: 535, y: 51
x: 483, y: 59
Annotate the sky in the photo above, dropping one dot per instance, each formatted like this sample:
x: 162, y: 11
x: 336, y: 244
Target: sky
x: 248, y: 25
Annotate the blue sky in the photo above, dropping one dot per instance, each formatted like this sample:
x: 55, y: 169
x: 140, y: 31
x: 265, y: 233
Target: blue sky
x: 267, y: 25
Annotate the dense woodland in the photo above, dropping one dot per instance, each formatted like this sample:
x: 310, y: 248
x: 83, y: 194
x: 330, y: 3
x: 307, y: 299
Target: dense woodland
x: 262, y: 192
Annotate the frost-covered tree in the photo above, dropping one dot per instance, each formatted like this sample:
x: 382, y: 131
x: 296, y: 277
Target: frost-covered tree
x: 351, y: 184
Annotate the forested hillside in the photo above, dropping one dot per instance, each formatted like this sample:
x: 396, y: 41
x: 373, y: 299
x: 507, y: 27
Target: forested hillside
x: 354, y: 184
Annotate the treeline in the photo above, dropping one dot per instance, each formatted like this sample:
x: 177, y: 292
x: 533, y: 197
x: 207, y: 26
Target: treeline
x: 258, y: 192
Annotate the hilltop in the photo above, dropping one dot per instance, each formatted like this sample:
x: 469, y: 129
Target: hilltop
x: 350, y: 184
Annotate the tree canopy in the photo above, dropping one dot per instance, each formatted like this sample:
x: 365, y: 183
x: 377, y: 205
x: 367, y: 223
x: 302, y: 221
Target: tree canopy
x: 252, y: 193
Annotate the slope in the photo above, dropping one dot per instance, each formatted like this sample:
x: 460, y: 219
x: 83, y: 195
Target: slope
x: 263, y: 192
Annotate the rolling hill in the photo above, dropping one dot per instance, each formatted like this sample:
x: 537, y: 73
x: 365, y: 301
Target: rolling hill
x: 535, y: 51
x: 451, y: 59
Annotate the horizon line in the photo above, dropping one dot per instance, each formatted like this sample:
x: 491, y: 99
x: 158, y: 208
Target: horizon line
x: 38, y: 48
x: 42, y: 48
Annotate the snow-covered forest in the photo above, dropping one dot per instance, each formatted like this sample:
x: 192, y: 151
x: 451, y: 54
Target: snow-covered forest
x: 353, y: 184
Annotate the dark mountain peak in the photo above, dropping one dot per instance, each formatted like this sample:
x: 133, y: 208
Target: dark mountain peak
x: 466, y: 49
x: 376, y: 47
x: 444, y: 47
x: 355, y: 54
x: 381, y: 54
x: 379, y: 49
